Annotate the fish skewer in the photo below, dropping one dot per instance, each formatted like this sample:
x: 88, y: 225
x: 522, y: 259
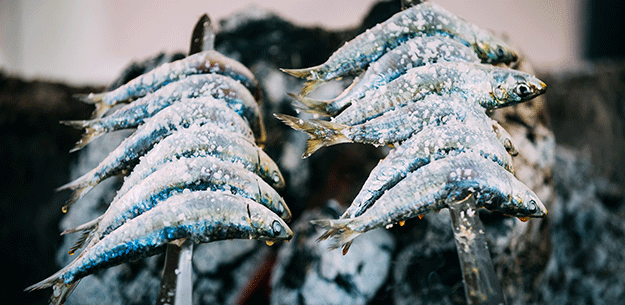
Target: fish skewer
x: 434, y: 187
x: 206, y: 141
x: 236, y: 96
x: 425, y: 19
x: 487, y: 86
x: 198, y: 111
x: 209, y: 61
x: 186, y: 174
x: 416, y: 52
x: 202, y: 216
x: 391, y: 127
x: 422, y: 148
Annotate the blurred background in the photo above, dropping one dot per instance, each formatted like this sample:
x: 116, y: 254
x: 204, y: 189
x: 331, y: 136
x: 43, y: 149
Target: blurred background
x: 89, y: 42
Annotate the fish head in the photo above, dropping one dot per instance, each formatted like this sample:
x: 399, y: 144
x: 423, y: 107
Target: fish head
x: 267, y: 225
x: 271, y: 198
x: 525, y: 203
x: 495, y: 51
x: 270, y: 170
x: 511, y: 87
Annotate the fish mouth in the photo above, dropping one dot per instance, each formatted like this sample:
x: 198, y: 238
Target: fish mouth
x: 538, y: 85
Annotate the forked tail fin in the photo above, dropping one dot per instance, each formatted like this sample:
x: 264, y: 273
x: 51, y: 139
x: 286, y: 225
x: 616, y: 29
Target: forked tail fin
x: 322, y: 133
x: 320, y: 107
x: 92, y: 131
x: 60, y: 290
x: 337, y: 229
x: 80, y: 186
x: 96, y: 99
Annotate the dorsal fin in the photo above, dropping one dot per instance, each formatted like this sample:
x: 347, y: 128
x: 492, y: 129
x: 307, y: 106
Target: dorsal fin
x: 203, y: 37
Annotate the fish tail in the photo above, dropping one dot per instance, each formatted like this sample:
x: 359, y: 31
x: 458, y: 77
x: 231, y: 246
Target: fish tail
x: 92, y: 131
x: 322, y: 133
x: 87, y: 226
x: 310, y: 86
x: 337, y: 229
x: 321, y: 107
x: 312, y: 73
x: 80, y: 186
x: 96, y: 99
x: 81, y: 241
x: 60, y: 290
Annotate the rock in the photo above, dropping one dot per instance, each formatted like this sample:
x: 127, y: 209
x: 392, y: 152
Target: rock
x: 306, y: 272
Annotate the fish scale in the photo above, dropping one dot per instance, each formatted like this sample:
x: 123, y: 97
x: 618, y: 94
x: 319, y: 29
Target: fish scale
x: 198, y: 111
x: 434, y: 186
x: 177, y: 176
x: 236, y: 96
x: 484, y: 85
x: 424, y: 147
x: 206, y: 140
x: 425, y: 19
x: 192, y: 216
x: 416, y: 52
x: 204, y: 62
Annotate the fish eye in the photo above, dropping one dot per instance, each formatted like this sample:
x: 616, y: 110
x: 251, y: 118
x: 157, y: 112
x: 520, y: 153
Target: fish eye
x: 500, y: 51
x: 532, y: 205
x: 523, y: 90
x: 276, y: 227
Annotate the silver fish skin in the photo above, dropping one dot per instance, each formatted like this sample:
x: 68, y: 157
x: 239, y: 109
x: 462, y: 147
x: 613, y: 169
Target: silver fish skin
x: 435, y: 186
x: 202, y: 216
x: 206, y: 140
x: 486, y: 86
x: 427, y: 146
x: 236, y: 96
x: 209, y: 61
x: 183, y: 175
x: 425, y: 19
x: 198, y: 111
x: 392, y: 127
x: 415, y: 52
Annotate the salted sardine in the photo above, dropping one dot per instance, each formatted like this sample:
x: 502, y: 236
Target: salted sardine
x: 434, y: 187
x: 430, y: 144
x: 209, y: 61
x: 202, y: 216
x: 236, y: 96
x: 484, y: 86
x: 186, y: 174
x: 198, y: 111
x: 415, y: 52
x: 391, y: 127
x: 425, y: 19
x: 206, y: 140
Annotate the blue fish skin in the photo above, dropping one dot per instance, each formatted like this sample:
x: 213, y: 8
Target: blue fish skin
x: 425, y: 19
x: 392, y: 127
x: 210, y: 61
x: 236, y: 96
x: 435, y: 186
x: 206, y: 140
x: 184, y: 175
x: 202, y: 216
x: 416, y: 52
x: 198, y: 111
x: 481, y: 85
x: 431, y: 144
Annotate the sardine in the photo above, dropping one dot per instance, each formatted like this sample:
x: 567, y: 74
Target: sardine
x: 430, y: 144
x: 202, y: 216
x: 186, y: 174
x: 237, y: 97
x: 425, y: 19
x: 209, y: 61
x: 416, y: 52
x: 391, y: 127
x: 434, y: 187
x: 206, y: 141
x: 486, y: 86
x: 198, y: 111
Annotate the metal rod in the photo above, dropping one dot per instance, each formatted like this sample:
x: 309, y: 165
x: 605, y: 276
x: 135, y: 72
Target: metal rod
x: 481, y: 285
x: 176, y: 282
